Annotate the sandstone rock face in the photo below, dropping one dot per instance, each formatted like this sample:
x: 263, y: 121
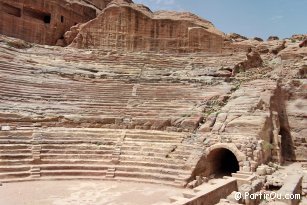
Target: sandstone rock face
x: 253, y: 60
x: 151, y: 101
x: 100, y: 4
x: 42, y: 22
x: 279, y: 47
x: 235, y: 36
x: 297, y: 112
x: 129, y: 27
x: 250, y: 126
x: 299, y: 37
x: 70, y: 35
x: 258, y: 39
x: 273, y: 38
x: 148, y: 94
x: 303, y: 44
x: 170, y: 117
x: 183, y: 113
x: 293, y: 52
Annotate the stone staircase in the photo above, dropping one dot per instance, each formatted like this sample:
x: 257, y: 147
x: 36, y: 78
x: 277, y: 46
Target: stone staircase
x: 36, y: 147
x: 243, y: 177
x: 180, y: 181
x: 35, y: 172
x: 15, y: 154
x: 98, y: 122
x: 117, y: 151
x: 110, y: 173
x: 131, y: 155
x: 105, y: 103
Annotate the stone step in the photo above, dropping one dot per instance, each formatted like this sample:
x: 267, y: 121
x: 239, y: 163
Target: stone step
x: 156, y: 141
x: 8, y: 175
x: 10, y: 157
x: 16, y: 162
x: 243, y: 177
x: 76, y: 152
x: 13, y: 168
x: 98, y: 161
x: 51, y: 167
x: 110, y: 172
x: 14, y: 151
x: 116, y: 153
x: 152, y: 159
x: 14, y: 180
x: 9, y: 143
x: 62, y: 142
x: 166, y: 154
x: 77, y: 148
x: 145, y: 175
x: 36, y: 152
x: 74, y: 156
x: 72, y: 173
x: 145, y: 180
x: 12, y: 133
x: 246, y: 173
x: 35, y: 176
x: 240, y: 175
x: 82, y: 177
x: 15, y: 146
x: 152, y: 170
x: 152, y: 164
x: 35, y: 170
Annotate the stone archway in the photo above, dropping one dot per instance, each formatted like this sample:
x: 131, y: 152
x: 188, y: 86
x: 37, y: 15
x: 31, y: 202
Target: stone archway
x: 222, y: 162
x: 220, y: 159
x: 231, y: 147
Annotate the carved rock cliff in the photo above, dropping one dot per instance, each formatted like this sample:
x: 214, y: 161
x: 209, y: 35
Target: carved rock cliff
x: 132, y: 27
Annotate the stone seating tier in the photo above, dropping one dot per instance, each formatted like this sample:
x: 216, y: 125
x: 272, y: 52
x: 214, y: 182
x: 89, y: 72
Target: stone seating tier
x: 151, y: 156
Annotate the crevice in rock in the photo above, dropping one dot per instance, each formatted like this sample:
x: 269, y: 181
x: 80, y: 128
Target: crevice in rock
x: 287, y: 147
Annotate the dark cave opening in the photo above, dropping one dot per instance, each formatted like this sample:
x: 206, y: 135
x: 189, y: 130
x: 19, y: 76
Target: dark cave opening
x: 47, y: 19
x: 223, y: 162
x: 287, y: 151
x: 273, y: 188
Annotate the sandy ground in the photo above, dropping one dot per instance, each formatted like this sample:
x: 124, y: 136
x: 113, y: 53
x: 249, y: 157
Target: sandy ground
x: 84, y: 193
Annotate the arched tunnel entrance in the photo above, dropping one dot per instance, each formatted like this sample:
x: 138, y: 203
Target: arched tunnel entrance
x: 222, y: 162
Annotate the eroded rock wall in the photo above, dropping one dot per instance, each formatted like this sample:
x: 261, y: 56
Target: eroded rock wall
x: 42, y: 22
x: 129, y: 27
x: 296, y: 113
x: 254, y: 126
x: 100, y: 4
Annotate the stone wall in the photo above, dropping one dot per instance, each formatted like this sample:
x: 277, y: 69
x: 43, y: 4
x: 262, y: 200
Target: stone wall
x: 208, y: 193
x: 291, y: 191
x: 130, y: 27
x: 42, y: 22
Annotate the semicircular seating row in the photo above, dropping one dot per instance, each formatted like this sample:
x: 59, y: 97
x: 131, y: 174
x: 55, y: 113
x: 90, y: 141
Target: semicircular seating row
x: 71, y: 153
